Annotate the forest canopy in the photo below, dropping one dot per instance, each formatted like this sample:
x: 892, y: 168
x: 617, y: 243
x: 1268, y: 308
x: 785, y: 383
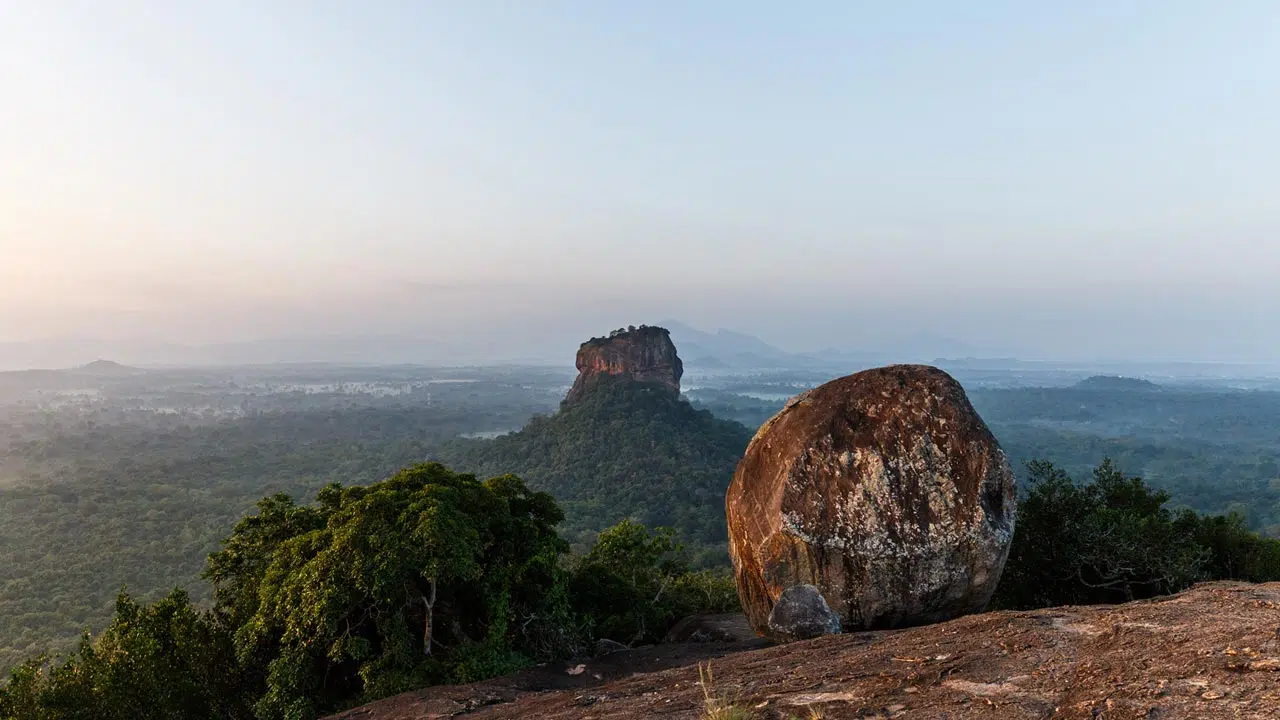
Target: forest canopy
x: 429, y: 576
x: 433, y: 576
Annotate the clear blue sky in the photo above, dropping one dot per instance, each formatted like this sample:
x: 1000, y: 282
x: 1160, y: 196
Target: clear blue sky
x: 1055, y: 179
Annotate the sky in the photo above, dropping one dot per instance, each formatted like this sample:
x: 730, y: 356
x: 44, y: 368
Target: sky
x: 1049, y: 180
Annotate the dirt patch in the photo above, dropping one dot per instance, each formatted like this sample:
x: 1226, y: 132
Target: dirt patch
x: 1211, y: 652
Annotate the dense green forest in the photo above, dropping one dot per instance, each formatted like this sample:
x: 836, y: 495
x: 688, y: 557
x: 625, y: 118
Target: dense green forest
x: 625, y: 449
x: 1212, y: 451
x: 426, y: 577
x: 435, y: 577
x: 86, y: 509
x: 112, y: 506
x: 121, y: 505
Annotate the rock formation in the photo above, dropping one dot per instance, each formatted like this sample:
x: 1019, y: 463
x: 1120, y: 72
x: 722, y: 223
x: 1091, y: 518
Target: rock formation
x: 885, y: 491
x: 645, y: 354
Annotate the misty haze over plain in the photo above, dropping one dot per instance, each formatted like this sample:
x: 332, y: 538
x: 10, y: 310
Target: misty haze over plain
x: 490, y: 182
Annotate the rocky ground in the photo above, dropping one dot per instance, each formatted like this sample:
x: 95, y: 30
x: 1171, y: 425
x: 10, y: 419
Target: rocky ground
x: 1210, y: 652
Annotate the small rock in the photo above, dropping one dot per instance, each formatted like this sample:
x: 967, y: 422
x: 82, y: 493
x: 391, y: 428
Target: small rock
x: 802, y: 613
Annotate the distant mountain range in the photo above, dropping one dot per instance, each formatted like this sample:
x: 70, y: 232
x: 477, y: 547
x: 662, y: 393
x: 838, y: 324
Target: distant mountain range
x: 726, y: 348
x: 374, y: 350
x: 528, y: 344
x: 702, y: 350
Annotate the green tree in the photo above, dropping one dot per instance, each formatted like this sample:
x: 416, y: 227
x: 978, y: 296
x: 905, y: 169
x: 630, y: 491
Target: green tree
x: 376, y: 589
x: 1236, y: 552
x: 635, y: 582
x: 1110, y: 540
x: 161, y: 661
x: 426, y: 577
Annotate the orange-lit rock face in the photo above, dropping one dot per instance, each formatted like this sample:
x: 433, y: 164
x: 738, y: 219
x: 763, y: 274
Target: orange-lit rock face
x: 885, y: 490
x: 645, y: 354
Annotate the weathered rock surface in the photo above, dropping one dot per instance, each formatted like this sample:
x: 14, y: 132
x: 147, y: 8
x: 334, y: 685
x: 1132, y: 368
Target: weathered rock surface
x: 604, y: 646
x: 885, y: 490
x: 711, y: 629
x: 1211, y: 652
x: 645, y: 354
x: 801, y: 613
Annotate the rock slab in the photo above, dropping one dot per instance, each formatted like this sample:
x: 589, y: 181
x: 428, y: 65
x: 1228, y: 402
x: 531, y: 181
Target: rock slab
x: 885, y: 491
x: 1208, y: 653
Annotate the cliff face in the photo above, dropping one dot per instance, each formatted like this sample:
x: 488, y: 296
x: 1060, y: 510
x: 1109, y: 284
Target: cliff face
x: 645, y: 354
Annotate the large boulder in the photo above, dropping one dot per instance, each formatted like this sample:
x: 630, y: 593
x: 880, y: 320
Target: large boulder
x: 885, y: 491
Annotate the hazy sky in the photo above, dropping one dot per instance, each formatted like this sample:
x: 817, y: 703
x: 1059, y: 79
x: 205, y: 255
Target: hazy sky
x: 1076, y: 179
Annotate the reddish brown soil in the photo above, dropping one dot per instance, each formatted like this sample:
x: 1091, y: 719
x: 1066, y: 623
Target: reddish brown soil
x: 1211, y: 652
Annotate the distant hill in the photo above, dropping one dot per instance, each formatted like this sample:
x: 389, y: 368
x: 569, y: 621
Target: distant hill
x: 107, y: 367
x: 624, y: 444
x: 624, y: 449
x: 1116, y: 382
x: 68, y: 379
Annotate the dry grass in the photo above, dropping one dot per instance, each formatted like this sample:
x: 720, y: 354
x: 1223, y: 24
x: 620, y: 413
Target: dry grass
x: 716, y: 706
